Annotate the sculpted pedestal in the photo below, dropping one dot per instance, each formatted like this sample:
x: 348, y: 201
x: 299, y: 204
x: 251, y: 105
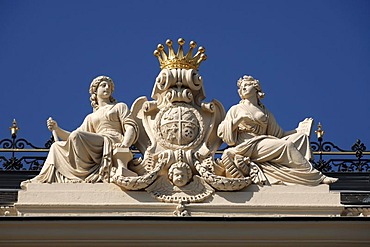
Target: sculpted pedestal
x: 107, y: 199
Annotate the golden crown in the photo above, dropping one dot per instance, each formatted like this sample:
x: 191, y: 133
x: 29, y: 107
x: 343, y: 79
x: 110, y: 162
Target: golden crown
x: 179, y: 61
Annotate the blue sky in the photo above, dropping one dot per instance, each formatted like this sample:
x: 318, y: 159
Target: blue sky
x: 311, y: 57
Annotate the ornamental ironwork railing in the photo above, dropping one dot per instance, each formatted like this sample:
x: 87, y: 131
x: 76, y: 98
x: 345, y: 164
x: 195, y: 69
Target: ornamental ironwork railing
x: 331, y: 158
x: 21, y: 155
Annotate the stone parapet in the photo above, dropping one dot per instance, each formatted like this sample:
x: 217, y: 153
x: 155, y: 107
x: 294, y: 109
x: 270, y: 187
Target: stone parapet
x: 102, y: 199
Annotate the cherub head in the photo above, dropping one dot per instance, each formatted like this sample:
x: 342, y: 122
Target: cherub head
x: 180, y: 174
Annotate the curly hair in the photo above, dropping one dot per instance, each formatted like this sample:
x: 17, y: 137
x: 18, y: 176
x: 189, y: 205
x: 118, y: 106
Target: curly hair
x: 180, y: 166
x: 250, y: 80
x: 94, y: 87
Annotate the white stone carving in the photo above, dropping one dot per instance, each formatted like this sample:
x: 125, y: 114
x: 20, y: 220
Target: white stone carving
x: 178, y: 135
x: 178, y: 129
x: 86, y: 154
x: 257, y: 143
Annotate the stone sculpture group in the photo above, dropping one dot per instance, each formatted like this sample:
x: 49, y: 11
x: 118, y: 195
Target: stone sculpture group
x: 178, y: 134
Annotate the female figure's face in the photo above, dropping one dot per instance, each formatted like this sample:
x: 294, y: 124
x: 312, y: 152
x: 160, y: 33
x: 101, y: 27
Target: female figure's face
x: 104, y: 90
x: 247, y: 90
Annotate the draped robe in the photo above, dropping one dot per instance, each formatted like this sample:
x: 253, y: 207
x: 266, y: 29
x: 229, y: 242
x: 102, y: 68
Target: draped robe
x: 86, y: 156
x: 283, y: 159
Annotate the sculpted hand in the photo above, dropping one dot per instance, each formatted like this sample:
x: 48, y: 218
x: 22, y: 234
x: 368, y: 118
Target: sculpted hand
x: 52, y: 124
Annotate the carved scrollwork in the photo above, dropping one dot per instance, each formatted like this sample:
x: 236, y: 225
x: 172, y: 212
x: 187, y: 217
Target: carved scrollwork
x: 182, y: 85
x: 165, y: 80
x: 149, y: 106
x: 208, y: 107
x: 192, y: 78
x: 179, y: 95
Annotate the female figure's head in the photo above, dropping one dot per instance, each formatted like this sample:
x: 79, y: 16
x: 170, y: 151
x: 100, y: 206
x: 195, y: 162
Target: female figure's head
x: 94, y: 90
x: 249, y: 87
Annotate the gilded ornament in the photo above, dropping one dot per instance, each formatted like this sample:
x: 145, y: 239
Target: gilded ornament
x: 178, y: 60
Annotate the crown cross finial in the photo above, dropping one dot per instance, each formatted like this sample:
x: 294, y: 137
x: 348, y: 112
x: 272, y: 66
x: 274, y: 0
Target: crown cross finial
x: 179, y: 61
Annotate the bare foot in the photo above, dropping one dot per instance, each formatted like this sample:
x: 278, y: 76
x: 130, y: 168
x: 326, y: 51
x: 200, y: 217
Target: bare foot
x: 329, y: 180
x: 24, y: 184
